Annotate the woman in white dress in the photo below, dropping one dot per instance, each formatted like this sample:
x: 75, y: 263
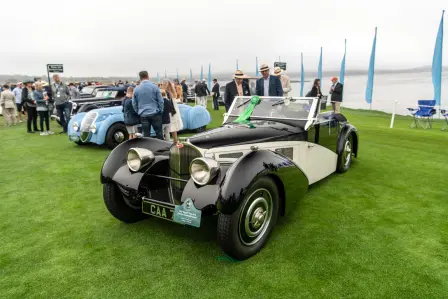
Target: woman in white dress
x: 175, y: 119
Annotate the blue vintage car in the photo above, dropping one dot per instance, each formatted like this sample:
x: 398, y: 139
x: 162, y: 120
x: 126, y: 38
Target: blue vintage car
x: 106, y: 125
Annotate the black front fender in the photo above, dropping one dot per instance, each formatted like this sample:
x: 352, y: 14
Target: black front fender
x: 290, y: 179
x: 345, y: 132
x: 117, y: 158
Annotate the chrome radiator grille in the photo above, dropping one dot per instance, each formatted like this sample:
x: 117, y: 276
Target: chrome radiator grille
x: 180, y: 159
x: 88, y: 120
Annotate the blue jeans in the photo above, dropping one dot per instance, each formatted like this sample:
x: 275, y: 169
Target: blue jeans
x: 215, y: 103
x: 154, y: 121
x: 64, y: 115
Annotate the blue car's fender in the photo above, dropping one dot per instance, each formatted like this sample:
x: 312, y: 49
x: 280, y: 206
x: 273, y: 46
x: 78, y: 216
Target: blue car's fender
x: 103, y: 126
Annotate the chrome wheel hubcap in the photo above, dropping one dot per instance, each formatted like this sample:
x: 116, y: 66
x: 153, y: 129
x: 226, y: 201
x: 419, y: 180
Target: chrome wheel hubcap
x: 347, y: 152
x: 119, y: 136
x: 255, y: 217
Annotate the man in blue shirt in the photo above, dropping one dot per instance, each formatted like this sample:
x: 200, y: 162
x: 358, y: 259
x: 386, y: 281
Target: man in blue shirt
x: 148, y: 103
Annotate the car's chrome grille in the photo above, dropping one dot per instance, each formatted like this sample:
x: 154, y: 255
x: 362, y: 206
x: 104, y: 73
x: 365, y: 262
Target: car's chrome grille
x: 88, y: 120
x: 180, y: 159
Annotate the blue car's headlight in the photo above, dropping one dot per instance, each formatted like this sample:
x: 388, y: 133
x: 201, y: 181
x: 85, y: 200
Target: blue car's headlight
x: 75, y: 126
x: 93, y: 128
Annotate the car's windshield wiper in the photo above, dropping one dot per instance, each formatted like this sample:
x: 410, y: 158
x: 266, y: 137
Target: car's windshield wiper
x: 244, y: 103
x: 282, y: 101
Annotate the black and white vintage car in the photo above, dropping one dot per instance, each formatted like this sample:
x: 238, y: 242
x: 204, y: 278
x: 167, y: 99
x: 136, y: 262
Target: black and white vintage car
x: 248, y: 172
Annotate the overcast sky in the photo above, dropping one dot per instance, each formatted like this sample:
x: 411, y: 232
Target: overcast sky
x: 113, y: 38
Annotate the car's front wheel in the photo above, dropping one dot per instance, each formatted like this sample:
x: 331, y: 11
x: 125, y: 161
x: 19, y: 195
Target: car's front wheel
x: 124, y: 211
x: 116, y: 134
x: 245, y: 232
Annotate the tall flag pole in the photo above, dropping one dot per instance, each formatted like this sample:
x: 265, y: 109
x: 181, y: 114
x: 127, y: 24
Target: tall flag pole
x: 177, y: 74
x: 342, y: 73
x: 191, y: 76
x: 319, y: 70
x: 209, y: 75
x: 302, y: 78
x: 256, y: 67
x: 437, y: 64
x: 237, y: 67
x: 202, y: 73
x: 371, y: 74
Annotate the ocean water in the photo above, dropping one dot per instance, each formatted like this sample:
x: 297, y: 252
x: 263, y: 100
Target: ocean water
x: 405, y: 88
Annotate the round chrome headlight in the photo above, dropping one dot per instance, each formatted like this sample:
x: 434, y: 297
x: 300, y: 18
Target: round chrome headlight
x: 137, y: 158
x: 75, y: 126
x: 203, y: 170
x: 93, y: 128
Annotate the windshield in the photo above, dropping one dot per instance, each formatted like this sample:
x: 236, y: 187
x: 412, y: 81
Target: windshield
x: 88, y: 89
x: 277, y: 107
x: 106, y: 94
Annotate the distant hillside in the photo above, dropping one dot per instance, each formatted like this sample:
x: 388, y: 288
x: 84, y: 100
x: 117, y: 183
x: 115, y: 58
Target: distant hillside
x: 222, y: 76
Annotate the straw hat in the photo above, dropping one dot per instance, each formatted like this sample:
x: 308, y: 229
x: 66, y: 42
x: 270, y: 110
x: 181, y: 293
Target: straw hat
x: 277, y: 71
x: 239, y: 75
x: 264, y: 67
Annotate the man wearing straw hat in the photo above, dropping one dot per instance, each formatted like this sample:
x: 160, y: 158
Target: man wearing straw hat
x: 268, y: 86
x: 286, y: 83
x: 235, y: 88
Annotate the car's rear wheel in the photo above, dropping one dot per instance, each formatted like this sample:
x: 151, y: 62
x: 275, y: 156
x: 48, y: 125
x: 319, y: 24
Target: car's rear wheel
x: 346, y: 155
x: 116, y: 134
x: 245, y: 232
x: 200, y: 129
x: 118, y: 207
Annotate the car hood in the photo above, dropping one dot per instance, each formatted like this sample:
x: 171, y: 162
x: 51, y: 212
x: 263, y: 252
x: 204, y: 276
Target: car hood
x: 233, y: 134
x: 109, y: 110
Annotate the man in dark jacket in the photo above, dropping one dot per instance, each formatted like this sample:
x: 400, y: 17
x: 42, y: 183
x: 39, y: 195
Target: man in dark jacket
x: 268, y: 85
x: 184, y: 90
x: 202, y: 92
x: 215, y: 92
x: 235, y: 88
x: 336, y: 95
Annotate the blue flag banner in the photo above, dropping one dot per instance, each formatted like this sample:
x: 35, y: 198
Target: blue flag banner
x: 319, y: 70
x: 191, y: 76
x: 342, y: 73
x: 202, y: 73
x: 437, y: 64
x: 256, y: 67
x: 237, y: 67
x: 209, y: 75
x: 177, y: 74
x: 302, y: 78
x: 371, y: 73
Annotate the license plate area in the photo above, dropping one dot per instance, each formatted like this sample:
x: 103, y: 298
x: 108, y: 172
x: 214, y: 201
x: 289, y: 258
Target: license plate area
x: 158, y: 209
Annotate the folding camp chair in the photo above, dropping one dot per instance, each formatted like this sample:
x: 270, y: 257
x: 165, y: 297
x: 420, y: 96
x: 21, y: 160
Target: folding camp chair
x: 445, y: 114
x: 422, y: 116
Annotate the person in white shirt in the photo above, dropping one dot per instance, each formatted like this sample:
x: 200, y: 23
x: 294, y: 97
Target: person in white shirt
x: 17, y: 91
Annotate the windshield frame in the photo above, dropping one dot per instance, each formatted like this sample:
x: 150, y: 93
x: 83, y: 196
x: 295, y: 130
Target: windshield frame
x: 314, y: 109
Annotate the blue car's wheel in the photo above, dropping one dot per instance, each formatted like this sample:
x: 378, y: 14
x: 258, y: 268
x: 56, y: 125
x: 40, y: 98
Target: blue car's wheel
x: 116, y: 134
x: 200, y: 129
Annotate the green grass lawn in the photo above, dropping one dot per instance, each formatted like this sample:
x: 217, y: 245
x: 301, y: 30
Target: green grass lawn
x: 378, y: 231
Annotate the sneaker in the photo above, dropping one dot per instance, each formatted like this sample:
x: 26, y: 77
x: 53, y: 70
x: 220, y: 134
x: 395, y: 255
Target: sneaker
x: 54, y: 116
x: 21, y: 121
x: 43, y: 133
x: 31, y: 132
x: 62, y: 132
x: 50, y: 133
